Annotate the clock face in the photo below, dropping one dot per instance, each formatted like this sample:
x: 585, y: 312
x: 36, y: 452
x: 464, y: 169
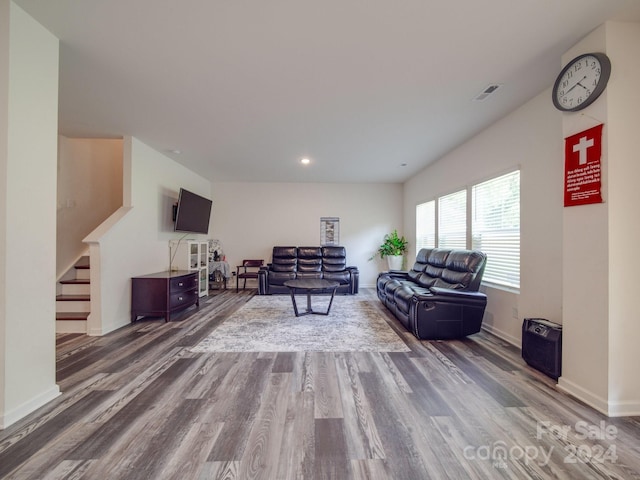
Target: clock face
x: 581, y: 82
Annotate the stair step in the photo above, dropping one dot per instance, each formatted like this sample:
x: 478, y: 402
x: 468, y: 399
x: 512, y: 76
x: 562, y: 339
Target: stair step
x: 75, y: 289
x: 83, y: 273
x: 73, y: 303
x: 73, y: 298
x: 81, y: 286
x: 72, y: 315
x: 82, y: 263
x: 71, y: 326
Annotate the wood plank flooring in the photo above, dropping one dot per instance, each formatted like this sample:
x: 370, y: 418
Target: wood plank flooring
x: 136, y: 404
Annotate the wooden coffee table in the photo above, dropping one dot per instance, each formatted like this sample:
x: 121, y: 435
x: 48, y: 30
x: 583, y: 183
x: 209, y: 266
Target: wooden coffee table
x: 311, y: 286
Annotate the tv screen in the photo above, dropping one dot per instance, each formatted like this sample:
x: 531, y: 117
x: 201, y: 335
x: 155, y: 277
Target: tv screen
x: 192, y: 213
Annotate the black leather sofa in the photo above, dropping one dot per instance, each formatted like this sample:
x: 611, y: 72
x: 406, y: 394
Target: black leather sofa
x: 438, y: 298
x: 288, y: 263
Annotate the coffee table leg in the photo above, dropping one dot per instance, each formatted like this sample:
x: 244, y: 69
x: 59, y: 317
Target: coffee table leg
x: 333, y: 292
x: 309, y: 310
x: 293, y: 300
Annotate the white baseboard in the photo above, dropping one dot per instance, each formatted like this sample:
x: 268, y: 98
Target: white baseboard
x: 624, y: 409
x: 610, y: 409
x: 516, y: 342
x: 588, y: 397
x: 11, y: 417
x: 98, y: 332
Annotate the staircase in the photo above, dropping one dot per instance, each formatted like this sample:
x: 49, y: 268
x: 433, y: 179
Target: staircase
x: 73, y: 304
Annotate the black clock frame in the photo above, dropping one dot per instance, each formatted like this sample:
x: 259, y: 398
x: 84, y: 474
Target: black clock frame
x: 605, y: 73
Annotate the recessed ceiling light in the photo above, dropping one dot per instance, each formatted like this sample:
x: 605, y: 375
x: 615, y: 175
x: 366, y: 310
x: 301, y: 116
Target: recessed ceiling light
x: 305, y: 161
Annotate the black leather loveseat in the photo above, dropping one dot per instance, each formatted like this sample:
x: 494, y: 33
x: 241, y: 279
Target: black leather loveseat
x: 288, y: 263
x: 438, y: 298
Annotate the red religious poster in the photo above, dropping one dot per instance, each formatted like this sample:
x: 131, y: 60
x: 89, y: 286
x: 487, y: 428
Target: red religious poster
x: 582, y: 153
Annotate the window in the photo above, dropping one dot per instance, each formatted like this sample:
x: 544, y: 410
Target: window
x: 452, y: 220
x: 426, y: 225
x: 496, y: 228
x: 491, y: 213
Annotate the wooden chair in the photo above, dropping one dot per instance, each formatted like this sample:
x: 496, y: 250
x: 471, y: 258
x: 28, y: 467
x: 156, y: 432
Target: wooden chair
x: 249, y: 269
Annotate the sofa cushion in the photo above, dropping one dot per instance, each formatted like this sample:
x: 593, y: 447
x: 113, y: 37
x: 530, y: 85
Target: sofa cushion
x: 278, y: 278
x: 444, y: 283
x: 414, y: 274
x: 434, y: 261
x: 438, y: 257
x: 423, y: 256
x: 285, y: 259
x: 334, y: 259
x: 312, y: 274
x: 344, y: 277
x: 461, y: 268
x: 425, y: 280
x: 309, y: 259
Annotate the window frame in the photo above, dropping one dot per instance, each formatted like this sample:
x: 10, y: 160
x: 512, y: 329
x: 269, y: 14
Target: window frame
x: 469, y: 188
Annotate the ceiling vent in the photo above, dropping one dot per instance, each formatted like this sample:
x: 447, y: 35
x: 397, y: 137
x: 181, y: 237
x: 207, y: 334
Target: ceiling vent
x: 487, y: 92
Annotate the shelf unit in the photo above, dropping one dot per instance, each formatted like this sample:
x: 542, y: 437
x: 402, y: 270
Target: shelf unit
x: 163, y: 293
x: 193, y: 256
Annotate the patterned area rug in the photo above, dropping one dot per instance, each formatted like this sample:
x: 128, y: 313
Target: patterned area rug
x: 267, y: 323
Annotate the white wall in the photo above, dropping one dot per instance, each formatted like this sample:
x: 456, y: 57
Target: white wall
x: 585, y: 304
x: 600, y: 347
x: 531, y: 138
x: 623, y: 102
x: 251, y: 218
x: 89, y: 190
x: 135, y: 240
x: 4, y: 145
x: 28, y: 224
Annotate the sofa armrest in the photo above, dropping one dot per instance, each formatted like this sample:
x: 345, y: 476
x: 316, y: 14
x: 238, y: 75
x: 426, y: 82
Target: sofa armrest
x: 355, y: 279
x: 451, y: 295
x: 452, y: 292
x: 396, y: 273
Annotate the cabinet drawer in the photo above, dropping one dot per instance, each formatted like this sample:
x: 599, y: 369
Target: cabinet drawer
x: 185, y: 297
x: 184, y: 283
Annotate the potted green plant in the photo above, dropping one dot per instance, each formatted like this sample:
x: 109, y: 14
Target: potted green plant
x: 393, y: 247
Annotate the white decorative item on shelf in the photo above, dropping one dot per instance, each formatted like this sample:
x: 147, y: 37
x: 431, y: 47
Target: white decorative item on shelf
x: 192, y: 255
x: 216, y: 253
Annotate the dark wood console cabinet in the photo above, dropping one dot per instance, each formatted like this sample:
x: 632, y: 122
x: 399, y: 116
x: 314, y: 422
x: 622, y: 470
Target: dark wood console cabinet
x: 163, y: 293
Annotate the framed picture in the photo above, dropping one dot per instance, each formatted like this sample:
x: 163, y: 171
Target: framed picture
x: 329, y: 231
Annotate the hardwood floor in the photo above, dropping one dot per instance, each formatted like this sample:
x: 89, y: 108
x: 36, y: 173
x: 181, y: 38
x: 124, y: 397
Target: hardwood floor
x: 136, y: 404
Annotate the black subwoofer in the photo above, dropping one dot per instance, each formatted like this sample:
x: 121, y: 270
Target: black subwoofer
x: 542, y: 345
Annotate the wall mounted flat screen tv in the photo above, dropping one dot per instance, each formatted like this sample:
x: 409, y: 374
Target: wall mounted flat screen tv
x: 192, y: 213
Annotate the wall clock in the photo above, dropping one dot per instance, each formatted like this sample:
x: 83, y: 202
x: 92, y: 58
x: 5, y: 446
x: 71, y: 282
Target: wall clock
x: 581, y: 82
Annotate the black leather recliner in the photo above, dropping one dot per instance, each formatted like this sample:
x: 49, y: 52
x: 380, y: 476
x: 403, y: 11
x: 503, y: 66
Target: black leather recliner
x: 438, y: 298
x: 288, y: 263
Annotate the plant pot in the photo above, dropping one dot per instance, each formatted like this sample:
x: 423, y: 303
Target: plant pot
x: 395, y: 262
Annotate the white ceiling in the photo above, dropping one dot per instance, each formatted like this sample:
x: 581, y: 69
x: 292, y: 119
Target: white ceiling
x: 371, y: 91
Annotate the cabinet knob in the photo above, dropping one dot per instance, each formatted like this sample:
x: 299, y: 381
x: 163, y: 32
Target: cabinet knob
x: 180, y: 284
x: 180, y: 298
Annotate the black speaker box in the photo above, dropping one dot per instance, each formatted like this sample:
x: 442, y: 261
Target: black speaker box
x: 542, y: 346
